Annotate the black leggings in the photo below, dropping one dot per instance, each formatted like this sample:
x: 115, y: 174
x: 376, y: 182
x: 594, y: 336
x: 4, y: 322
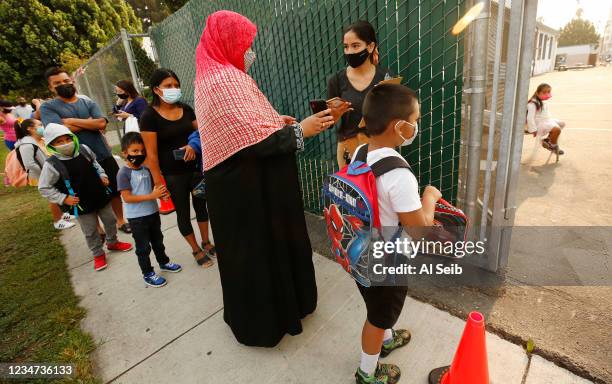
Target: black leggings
x: 180, y: 187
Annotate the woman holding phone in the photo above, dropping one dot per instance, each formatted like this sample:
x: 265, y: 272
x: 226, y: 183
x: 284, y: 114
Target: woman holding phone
x: 352, y: 84
x: 165, y: 127
x: 252, y: 188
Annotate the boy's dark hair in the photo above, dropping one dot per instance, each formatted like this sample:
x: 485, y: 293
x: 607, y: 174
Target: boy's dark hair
x: 129, y: 139
x: 54, y: 71
x: 387, y: 102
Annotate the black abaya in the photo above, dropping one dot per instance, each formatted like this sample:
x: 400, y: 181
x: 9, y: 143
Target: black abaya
x: 264, y: 253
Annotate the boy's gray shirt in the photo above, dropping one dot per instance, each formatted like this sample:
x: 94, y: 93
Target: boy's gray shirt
x: 49, y: 176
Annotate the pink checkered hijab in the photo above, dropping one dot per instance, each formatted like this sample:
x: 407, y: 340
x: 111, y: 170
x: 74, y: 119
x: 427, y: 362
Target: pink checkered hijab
x: 232, y: 112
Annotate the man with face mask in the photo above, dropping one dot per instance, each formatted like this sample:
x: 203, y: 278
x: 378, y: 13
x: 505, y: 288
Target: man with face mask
x: 23, y: 110
x: 85, y: 119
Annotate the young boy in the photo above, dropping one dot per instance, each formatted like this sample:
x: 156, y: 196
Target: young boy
x: 135, y: 183
x: 391, y: 112
x: 73, y: 177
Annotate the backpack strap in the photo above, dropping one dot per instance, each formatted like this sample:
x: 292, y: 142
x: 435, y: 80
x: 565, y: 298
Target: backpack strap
x: 18, y: 154
x: 382, y: 166
x: 63, y: 171
x: 362, y: 154
x: 387, y: 164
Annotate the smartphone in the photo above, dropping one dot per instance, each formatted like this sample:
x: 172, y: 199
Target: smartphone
x: 179, y: 154
x: 318, y: 105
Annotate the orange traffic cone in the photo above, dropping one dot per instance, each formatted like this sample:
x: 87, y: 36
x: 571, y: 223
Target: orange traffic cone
x: 470, y: 362
x: 165, y: 205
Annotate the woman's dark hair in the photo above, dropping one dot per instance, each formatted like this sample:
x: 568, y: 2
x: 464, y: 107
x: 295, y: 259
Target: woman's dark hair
x: 385, y: 103
x: 129, y: 139
x: 128, y: 87
x: 536, y: 99
x: 364, y: 31
x: 21, y: 129
x: 157, y: 78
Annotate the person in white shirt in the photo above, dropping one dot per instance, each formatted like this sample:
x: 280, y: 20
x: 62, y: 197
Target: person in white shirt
x: 540, y: 122
x: 23, y: 110
x: 391, y: 112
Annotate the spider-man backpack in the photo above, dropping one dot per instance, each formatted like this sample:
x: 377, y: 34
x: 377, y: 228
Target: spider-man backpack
x: 350, y: 202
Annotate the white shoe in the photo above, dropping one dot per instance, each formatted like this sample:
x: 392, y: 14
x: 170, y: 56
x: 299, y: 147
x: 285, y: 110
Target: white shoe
x: 63, y: 224
x: 67, y: 217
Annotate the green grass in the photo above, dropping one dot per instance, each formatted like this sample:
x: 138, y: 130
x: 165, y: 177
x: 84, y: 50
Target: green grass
x: 39, y: 312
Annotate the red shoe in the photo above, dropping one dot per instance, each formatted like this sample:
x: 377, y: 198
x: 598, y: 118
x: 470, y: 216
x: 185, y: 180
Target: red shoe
x: 119, y: 246
x: 99, y: 262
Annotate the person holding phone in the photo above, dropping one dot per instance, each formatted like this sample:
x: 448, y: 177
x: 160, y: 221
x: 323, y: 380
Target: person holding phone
x: 165, y: 127
x: 352, y: 83
x: 129, y: 101
x: 252, y: 188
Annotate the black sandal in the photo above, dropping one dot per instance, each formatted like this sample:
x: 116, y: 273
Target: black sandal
x: 125, y: 228
x: 204, y: 261
x: 212, y: 251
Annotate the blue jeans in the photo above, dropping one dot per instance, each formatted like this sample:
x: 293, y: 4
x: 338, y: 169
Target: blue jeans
x: 147, y: 235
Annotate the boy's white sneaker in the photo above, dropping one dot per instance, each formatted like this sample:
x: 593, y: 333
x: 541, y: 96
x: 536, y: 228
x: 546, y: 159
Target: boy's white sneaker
x: 67, y: 216
x: 63, y: 224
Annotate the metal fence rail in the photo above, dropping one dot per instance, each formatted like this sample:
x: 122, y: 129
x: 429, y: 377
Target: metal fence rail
x: 299, y: 45
x: 112, y: 63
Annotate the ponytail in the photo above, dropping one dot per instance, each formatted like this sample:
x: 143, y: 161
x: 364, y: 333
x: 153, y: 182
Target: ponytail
x: 21, y: 127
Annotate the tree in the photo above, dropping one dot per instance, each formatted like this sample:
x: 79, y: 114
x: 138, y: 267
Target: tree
x: 37, y: 34
x: 578, y: 32
x: 149, y: 11
x: 174, y: 5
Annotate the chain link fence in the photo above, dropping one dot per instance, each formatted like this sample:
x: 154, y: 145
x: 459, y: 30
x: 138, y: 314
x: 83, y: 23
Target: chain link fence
x: 97, y: 77
x: 299, y: 45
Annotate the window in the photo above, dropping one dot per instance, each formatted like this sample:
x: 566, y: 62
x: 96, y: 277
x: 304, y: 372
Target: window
x: 540, y: 42
x: 552, y: 39
x: 543, y: 54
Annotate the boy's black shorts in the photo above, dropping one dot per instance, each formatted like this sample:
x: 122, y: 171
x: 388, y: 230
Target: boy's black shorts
x: 384, y: 304
x: 111, y: 168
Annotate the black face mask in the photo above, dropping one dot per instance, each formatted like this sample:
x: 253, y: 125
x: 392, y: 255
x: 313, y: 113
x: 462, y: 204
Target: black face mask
x: 136, y: 160
x: 122, y: 95
x: 356, y: 59
x: 65, y: 90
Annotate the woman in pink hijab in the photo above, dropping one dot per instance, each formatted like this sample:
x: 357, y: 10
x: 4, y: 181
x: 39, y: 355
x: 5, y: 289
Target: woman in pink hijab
x: 252, y: 188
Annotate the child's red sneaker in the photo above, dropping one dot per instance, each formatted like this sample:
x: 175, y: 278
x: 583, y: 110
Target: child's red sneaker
x: 119, y: 246
x: 99, y: 262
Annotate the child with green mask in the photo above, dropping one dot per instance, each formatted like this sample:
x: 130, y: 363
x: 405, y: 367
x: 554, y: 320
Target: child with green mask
x: 72, y: 177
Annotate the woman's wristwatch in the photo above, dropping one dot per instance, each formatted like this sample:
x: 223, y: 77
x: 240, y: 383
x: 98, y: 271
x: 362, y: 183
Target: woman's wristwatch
x: 299, y: 136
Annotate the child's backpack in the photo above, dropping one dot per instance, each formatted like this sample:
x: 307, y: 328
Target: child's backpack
x: 14, y: 169
x: 350, y: 203
x: 60, y: 167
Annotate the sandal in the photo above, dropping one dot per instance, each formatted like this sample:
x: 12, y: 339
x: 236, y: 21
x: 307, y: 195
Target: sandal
x: 205, y: 261
x: 125, y: 228
x: 212, y: 251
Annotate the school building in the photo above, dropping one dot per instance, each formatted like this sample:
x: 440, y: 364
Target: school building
x: 545, y: 49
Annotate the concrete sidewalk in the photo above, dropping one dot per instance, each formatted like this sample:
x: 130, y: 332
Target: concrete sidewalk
x: 176, y: 334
